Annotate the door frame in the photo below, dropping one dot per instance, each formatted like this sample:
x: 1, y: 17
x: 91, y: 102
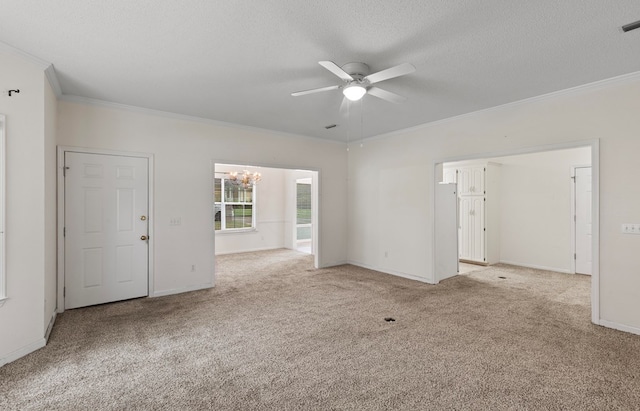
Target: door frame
x: 61, y: 206
x: 572, y: 216
x: 595, y: 204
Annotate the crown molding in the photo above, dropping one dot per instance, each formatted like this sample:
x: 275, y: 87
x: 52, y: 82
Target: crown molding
x: 588, y: 87
x: 47, y: 67
x: 167, y: 114
x: 50, y: 72
x: 26, y: 56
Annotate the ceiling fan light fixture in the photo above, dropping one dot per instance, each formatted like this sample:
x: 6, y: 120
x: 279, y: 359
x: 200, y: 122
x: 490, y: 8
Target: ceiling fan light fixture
x: 354, y: 92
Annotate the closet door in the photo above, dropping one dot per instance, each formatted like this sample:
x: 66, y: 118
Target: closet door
x: 472, y: 238
x: 476, y: 231
x: 466, y: 222
x: 476, y: 183
x: 464, y: 181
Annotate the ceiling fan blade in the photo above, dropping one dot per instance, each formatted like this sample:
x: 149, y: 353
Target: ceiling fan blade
x: 315, y: 90
x: 333, y: 67
x: 386, y: 95
x: 392, y: 72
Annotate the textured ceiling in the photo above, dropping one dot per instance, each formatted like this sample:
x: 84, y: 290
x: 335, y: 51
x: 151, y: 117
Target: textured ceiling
x: 238, y: 61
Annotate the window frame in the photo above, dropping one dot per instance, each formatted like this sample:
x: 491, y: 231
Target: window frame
x: 224, y: 178
x: 3, y: 277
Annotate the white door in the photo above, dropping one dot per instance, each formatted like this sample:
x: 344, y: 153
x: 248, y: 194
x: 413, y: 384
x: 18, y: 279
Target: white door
x: 477, y: 229
x: 472, y: 234
x: 106, y: 226
x: 583, y: 220
x: 449, y: 175
x: 446, y: 231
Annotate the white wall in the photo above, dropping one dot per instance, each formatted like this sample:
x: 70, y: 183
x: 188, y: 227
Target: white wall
x: 535, y: 208
x: 269, y: 210
x: 391, y: 178
x: 21, y: 316
x: 183, y: 153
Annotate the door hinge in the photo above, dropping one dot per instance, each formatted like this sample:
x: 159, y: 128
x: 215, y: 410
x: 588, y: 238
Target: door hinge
x: 574, y: 218
x: 64, y: 231
x: 575, y: 256
x: 64, y: 291
x: 64, y: 171
x: 484, y: 229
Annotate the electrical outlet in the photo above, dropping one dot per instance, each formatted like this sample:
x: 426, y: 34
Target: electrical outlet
x: 175, y: 221
x: 629, y: 228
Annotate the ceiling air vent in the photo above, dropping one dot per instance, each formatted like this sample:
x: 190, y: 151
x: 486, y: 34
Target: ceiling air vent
x: 631, y: 26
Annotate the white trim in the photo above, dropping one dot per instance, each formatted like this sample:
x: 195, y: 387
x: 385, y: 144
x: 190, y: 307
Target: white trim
x: 21, y: 352
x: 181, y: 290
x: 619, y: 327
x: 23, y: 54
x: 393, y: 272
x: 50, y: 72
x: 595, y: 244
x: 595, y: 184
x: 3, y: 266
x: 594, y: 86
x: 167, y: 114
x: 50, y: 326
x: 537, y: 267
x: 250, y: 250
x: 61, y: 223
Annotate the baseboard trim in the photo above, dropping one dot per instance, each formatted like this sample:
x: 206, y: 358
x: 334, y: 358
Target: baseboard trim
x: 393, y: 272
x: 537, y: 267
x: 181, y: 290
x: 619, y: 327
x: 50, y: 326
x: 250, y: 250
x: 21, y: 352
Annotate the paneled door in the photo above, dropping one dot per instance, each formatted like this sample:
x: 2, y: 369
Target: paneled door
x: 583, y: 220
x: 106, y: 228
x: 472, y: 234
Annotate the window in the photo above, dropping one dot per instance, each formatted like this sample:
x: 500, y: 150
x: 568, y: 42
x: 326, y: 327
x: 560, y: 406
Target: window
x: 233, y: 204
x: 2, y: 239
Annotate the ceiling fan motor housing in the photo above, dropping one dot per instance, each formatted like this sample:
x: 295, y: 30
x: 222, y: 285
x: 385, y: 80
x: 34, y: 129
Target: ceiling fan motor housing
x: 356, y: 70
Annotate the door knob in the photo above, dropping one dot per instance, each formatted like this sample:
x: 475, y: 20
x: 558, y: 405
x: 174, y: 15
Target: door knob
x: 144, y: 237
x: 143, y: 217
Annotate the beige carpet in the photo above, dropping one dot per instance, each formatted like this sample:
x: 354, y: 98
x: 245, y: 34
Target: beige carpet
x: 276, y: 334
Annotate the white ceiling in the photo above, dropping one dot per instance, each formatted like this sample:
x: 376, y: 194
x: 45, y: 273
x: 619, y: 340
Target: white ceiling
x: 238, y: 61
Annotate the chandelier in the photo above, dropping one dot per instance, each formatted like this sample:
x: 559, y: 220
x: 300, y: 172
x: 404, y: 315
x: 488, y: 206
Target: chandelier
x: 246, y: 179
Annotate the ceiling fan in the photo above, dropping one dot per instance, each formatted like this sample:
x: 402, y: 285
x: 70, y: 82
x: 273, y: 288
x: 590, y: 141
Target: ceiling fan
x: 358, y: 81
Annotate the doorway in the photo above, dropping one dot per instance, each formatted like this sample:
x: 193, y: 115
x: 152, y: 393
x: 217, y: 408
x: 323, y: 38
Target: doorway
x: 104, y: 230
x: 279, y: 210
x: 523, y: 225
